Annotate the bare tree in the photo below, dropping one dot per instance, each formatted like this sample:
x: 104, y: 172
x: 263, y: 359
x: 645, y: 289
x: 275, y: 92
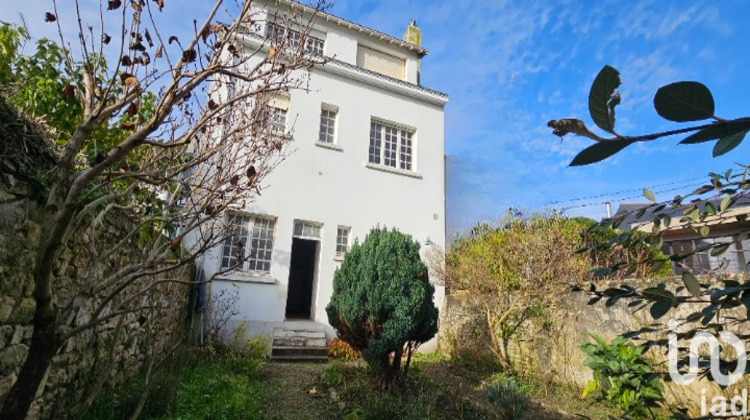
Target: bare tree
x: 196, y: 141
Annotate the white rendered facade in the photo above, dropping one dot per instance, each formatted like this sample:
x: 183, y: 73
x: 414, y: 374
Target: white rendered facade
x: 332, y: 188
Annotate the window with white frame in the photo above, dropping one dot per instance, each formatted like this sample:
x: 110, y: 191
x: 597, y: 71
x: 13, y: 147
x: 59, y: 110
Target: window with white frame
x: 391, y: 145
x: 307, y: 230
x: 342, y: 240
x: 327, y: 125
x: 273, y: 118
x: 279, y: 34
x: 278, y: 119
x: 250, y: 246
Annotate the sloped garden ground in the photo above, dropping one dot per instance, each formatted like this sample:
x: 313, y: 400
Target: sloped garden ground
x: 207, y: 385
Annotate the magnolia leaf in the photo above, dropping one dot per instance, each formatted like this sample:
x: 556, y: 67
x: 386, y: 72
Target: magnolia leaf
x: 719, y: 250
x: 599, y: 151
x: 710, y: 209
x: 691, y: 283
x: 684, y: 101
x: 725, y: 203
x: 728, y: 143
x: 660, y: 308
x: 603, y: 98
x: 704, y: 230
x: 717, y: 131
x: 648, y: 194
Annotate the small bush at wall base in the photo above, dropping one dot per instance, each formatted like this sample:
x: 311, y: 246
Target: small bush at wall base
x: 510, y: 394
x: 623, y: 376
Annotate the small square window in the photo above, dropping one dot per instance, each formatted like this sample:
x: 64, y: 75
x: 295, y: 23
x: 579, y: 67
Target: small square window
x: 342, y: 240
x: 327, y: 126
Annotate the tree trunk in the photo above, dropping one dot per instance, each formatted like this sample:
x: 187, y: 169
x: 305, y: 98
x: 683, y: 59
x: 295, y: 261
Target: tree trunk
x: 44, y: 346
x: 45, y: 340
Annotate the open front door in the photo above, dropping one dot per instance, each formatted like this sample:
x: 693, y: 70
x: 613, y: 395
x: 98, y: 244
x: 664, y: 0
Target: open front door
x: 301, y: 277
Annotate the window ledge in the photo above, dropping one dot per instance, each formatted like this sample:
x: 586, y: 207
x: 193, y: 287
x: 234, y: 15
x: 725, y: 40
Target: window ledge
x: 247, y: 277
x: 338, y: 258
x: 330, y: 146
x: 392, y: 170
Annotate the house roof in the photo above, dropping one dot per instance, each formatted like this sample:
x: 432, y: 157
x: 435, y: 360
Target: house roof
x: 356, y: 27
x: 632, y: 221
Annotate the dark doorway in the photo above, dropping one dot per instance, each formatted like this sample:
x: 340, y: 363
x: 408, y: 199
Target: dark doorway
x: 301, y: 276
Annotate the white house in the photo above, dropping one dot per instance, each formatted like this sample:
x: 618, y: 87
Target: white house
x: 369, y: 150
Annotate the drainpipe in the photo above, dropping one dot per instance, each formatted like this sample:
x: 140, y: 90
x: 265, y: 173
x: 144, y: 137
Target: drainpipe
x: 609, y: 209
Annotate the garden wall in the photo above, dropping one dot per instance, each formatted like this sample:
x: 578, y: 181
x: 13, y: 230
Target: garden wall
x: 83, y: 359
x: 548, y: 346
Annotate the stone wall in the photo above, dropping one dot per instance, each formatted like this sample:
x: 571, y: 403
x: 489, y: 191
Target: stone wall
x: 85, y: 357
x: 548, y: 345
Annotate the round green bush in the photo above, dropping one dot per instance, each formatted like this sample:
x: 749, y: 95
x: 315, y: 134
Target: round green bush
x: 382, y: 300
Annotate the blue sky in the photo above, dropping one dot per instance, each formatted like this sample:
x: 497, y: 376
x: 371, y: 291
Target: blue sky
x: 510, y: 66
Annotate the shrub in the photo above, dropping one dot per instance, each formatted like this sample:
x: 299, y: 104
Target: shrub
x: 338, y: 349
x: 382, y: 301
x: 510, y: 394
x: 622, y: 375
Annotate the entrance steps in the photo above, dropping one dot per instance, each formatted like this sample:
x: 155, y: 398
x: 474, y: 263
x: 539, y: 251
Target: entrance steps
x: 299, y: 345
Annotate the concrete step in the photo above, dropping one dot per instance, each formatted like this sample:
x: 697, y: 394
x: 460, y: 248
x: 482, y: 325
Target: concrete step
x: 284, y: 333
x: 299, y: 351
x: 308, y: 359
x: 299, y: 342
x: 299, y: 345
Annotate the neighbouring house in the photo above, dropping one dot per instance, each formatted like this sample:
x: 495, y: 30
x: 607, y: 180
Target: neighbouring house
x: 732, y: 227
x: 368, y: 146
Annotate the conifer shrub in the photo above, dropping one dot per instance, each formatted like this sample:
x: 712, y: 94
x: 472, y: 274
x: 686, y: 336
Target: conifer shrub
x: 382, y: 301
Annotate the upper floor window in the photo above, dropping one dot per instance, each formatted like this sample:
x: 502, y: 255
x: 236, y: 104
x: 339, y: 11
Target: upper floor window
x: 381, y: 62
x: 342, y: 240
x: 391, y: 146
x: 250, y: 246
x: 279, y: 34
x: 327, y: 125
x: 274, y: 114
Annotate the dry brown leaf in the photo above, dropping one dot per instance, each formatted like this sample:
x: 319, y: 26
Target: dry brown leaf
x: 271, y: 52
x: 50, y: 17
x: 189, y: 55
x: 132, y: 109
x: 212, y: 105
x: 126, y: 61
x: 173, y: 38
x: 106, y: 38
x: 175, y: 243
x: 129, y: 80
x: 130, y: 126
x: 135, y: 5
x: 138, y: 47
x: 148, y: 39
x: 160, y: 3
x: 113, y: 4
x: 68, y: 92
x: 159, y: 52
